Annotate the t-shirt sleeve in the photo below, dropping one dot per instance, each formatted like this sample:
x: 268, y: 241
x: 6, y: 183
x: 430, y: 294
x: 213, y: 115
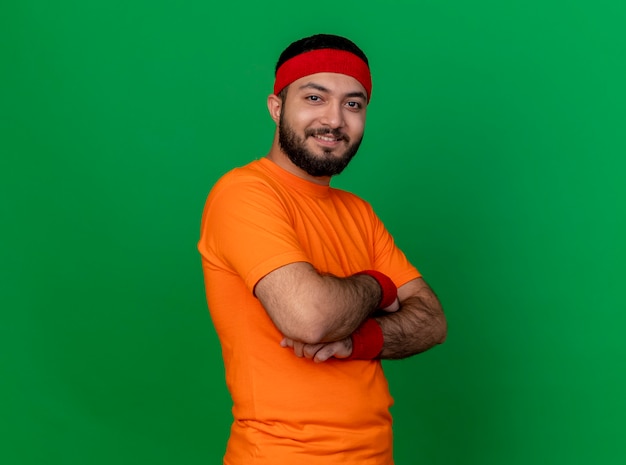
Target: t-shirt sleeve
x: 247, y: 229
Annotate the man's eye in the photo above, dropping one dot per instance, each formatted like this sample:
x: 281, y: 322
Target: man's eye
x: 355, y: 105
x: 314, y: 98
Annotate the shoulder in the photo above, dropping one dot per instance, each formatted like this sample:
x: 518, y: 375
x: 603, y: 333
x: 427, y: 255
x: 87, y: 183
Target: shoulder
x: 243, y: 182
x: 246, y: 195
x: 252, y: 173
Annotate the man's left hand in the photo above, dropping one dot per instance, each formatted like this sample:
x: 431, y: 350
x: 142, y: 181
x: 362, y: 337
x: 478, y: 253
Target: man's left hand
x: 320, y: 352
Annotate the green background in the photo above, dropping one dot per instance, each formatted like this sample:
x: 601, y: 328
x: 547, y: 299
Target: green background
x: 494, y: 152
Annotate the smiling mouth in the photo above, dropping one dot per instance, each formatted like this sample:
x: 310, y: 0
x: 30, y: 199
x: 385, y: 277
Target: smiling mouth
x: 326, y: 136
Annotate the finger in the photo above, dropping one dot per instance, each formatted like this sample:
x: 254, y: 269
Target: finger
x: 310, y: 350
x: 286, y: 342
x: 324, y: 353
x: 345, y: 348
x: 394, y: 307
x: 298, y: 349
x: 338, y: 349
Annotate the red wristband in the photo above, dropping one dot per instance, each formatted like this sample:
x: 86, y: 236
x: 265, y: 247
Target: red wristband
x: 389, y: 289
x: 367, y: 341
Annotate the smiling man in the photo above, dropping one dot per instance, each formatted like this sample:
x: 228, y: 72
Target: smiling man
x: 306, y: 288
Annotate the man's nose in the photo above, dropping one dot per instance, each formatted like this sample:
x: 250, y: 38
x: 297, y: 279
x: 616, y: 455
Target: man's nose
x: 333, y: 116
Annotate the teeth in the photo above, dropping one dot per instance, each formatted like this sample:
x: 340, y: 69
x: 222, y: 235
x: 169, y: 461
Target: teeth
x: 327, y: 138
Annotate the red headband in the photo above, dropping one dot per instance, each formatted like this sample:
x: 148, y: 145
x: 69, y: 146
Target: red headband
x: 326, y: 60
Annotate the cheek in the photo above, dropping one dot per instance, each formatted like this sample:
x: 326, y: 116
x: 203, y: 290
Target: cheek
x: 356, y: 123
x: 300, y: 119
x: 309, y: 117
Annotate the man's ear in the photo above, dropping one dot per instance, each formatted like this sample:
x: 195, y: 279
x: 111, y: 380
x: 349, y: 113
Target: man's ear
x: 275, y: 107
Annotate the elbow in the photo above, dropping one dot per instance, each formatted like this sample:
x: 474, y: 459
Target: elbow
x: 306, y: 333
x: 442, y: 332
x: 326, y: 322
x: 312, y: 330
x: 312, y: 326
x: 308, y: 336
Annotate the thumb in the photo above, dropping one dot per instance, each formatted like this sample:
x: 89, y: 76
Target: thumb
x: 394, y: 307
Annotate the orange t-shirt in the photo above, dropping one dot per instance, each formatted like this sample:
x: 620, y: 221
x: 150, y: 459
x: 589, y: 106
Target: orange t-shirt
x: 286, y: 409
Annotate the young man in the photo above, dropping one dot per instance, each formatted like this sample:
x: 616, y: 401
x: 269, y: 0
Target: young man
x: 306, y: 288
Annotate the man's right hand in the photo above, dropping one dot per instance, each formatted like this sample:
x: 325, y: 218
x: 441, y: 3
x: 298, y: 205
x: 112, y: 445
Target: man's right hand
x: 394, y: 307
x: 320, y: 352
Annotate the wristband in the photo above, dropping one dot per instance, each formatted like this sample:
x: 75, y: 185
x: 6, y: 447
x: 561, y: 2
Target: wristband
x: 367, y: 341
x: 388, y: 288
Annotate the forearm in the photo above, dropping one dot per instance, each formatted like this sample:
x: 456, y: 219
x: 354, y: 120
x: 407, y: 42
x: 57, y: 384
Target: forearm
x: 347, y: 302
x: 312, y: 308
x: 419, y: 325
x: 416, y: 327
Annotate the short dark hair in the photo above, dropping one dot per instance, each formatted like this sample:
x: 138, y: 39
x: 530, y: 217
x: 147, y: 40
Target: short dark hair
x: 317, y: 42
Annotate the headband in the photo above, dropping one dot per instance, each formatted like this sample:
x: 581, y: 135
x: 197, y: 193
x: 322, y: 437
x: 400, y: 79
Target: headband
x: 325, y: 60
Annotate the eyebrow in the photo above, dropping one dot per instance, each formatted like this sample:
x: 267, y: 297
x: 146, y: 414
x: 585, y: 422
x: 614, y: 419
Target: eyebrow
x: 312, y: 85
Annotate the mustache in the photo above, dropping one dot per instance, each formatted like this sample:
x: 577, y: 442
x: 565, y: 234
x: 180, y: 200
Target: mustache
x: 336, y: 133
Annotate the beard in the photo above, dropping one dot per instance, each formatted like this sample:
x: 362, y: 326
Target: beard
x: 327, y: 164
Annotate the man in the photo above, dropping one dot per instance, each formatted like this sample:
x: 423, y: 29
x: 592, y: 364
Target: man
x: 306, y: 288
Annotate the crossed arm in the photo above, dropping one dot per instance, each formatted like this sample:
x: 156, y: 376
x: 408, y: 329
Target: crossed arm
x: 419, y: 324
x: 318, y: 313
